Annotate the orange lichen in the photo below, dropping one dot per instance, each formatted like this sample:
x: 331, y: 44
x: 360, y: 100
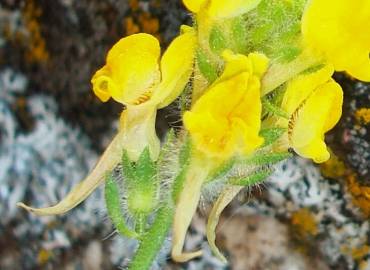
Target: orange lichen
x: 134, y: 5
x: 334, y: 168
x: 36, y: 45
x: 360, y: 194
x: 360, y: 252
x: 131, y: 26
x: 363, y: 115
x: 304, y: 222
x: 141, y: 21
x: 148, y: 23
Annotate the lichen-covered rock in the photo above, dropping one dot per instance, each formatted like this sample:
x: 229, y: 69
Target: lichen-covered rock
x: 350, y: 139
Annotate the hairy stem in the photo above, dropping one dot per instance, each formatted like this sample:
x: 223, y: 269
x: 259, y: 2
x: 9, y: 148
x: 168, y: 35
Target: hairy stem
x: 153, y: 239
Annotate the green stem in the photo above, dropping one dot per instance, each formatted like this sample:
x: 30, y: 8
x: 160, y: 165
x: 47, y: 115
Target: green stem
x: 153, y: 239
x: 274, y: 109
x: 140, y: 224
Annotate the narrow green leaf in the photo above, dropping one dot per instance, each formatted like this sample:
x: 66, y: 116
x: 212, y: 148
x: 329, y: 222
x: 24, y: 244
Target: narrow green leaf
x: 265, y: 159
x: 206, y: 67
x: 112, y: 201
x: 271, y: 135
x: 252, y: 179
x: 274, y: 109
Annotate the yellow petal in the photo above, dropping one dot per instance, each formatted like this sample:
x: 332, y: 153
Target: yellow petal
x: 229, y: 9
x: 260, y: 63
x: 235, y: 64
x: 110, y: 158
x: 131, y: 69
x: 302, y: 86
x: 176, y: 67
x: 102, y: 83
x: 319, y: 114
x: 194, y: 5
x: 208, y: 122
x: 339, y: 29
x: 316, y: 150
x: 223, y: 200
x: 223, y: 131
x: 211, y: 135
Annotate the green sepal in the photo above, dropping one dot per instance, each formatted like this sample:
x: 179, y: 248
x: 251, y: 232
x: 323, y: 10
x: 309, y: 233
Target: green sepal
x: 146, y: 168
x: 273, y: 109
x: 274, y: 28
x: 141, y: 183
x: 265, y: 159
x: 113, y: 204
x: 253, y: 179
x: 184, y: 160
x: 206, y: 67
x: 239, y: 35
x: 217, y: 40
x: 128, y: 167
x: 271, y: 135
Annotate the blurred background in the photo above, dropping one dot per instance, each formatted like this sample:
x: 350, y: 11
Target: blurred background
x: 53, y: 129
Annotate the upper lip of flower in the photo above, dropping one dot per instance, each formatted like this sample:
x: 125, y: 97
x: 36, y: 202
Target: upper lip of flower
x: 134, y: 75
x: 241, y: 74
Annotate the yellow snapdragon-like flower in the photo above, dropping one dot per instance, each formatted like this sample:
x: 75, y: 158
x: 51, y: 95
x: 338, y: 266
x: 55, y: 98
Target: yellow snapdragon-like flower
x: 220, y: 8
x: 223, y: 122
x: 339, y: 29
x: 314, y: 103
x: 134, y: 77
x: 226, y: 120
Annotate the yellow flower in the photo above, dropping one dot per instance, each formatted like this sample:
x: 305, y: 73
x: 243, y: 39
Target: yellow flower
x: 134, y: 77
x: 314, y: 102
x: 339, y: 29
x: 226, y: 120
x: 220, y: 8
